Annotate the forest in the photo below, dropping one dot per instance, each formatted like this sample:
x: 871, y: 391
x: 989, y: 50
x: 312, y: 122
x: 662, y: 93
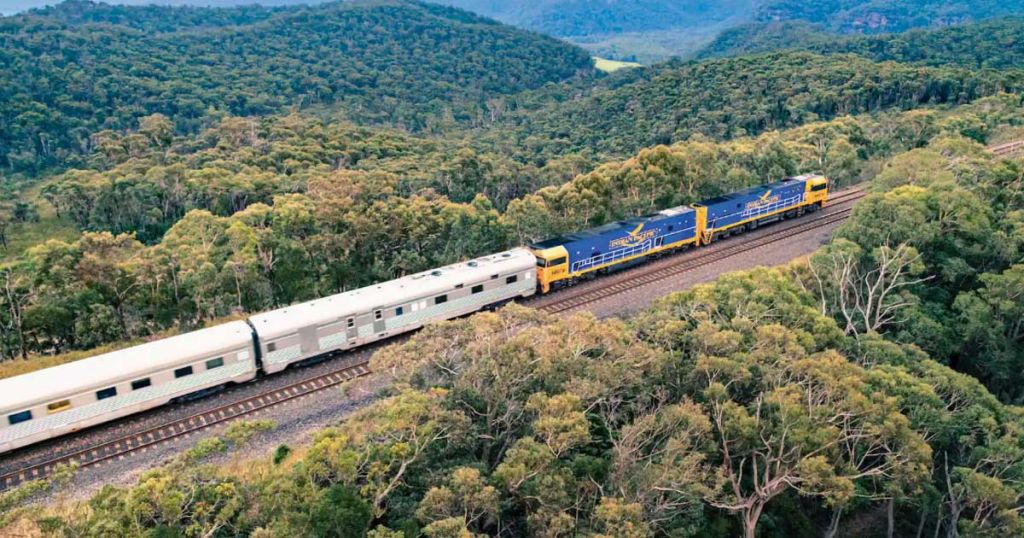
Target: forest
x: 872, y: 386
x: 991, y: 44
x: 517, y: 423
x: 257, y: 215
x: 729, y: 98
x: 69, y: 74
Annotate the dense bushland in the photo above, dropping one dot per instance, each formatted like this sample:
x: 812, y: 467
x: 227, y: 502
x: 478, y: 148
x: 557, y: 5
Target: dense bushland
x: 727, y: 98
x: 992, y: 44
x: 71, y: 71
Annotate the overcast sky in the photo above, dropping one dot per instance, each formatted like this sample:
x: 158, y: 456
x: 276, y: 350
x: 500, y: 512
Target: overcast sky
x: 13, y: 6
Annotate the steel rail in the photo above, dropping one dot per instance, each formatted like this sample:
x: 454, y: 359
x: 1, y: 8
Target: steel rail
x: 125, y: 445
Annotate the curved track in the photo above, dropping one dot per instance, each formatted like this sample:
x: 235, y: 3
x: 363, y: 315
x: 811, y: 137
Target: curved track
x: 142, y: 438
x: 118, y: 448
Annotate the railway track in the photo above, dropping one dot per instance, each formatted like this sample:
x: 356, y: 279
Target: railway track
x: 1009, y: 149
x: 621, y: 282
x: 122, y: 446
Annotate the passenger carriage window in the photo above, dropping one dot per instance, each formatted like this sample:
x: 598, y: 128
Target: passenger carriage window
x: 458, y: 286
x: 494, y: 277
x: 141, y: 383
x: 109, y: 392
x: 478, y: 288
x: 398, y: 311
x: 57, y: 407
x: 351, y: 323
x: 440, y: 299
x: 271, y: 347
x: 512, y: 279
x: 378, y: 315
x: 215, y: 363
x: 182, y: 372
x: 18, y: 418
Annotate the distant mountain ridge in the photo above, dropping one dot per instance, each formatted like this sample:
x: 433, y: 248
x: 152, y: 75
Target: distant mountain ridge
x: 649, y: 30
x: 654, y: 30
x: 644, y: 30
x: 580, y: 18
x: 994, y: 43
x: 877, y: 16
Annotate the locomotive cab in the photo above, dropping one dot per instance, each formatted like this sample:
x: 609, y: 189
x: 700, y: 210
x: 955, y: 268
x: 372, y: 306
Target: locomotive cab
x: 552, y: 265
x: 817, y: 190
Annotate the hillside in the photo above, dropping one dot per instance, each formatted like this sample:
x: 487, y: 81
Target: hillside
x: 761, y: 37
x: 995, y: 44
x: 875, y: 16
x: 728, y: 98
x: 153, y: 18
x: 72, y: 71
x: 520, y: 423
x: 164, y: 169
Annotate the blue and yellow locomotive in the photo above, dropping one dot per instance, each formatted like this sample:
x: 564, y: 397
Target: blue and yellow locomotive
x: 564, y: 260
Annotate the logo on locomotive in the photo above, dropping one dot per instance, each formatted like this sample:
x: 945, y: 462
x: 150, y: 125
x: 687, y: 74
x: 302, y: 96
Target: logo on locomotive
x: 634, y: 238
x: 765, y: 199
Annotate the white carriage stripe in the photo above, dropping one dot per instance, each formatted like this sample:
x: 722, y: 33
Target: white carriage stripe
x: 332, y: 341
x: 409, y: 318
x: 449, y: 309
x: 285, y: 354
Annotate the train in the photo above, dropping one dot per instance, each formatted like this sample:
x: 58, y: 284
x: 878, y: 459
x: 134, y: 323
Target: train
x: 566, y: 260
x: 55, y: 401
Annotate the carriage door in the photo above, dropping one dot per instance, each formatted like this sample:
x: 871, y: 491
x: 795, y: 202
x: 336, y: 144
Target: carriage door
x: 350, y: 328
x: 378, y: 320
x: 308, y: 340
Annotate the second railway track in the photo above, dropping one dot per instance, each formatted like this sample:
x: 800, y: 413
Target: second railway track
x: 1010, y: 149
x: 124, y: 445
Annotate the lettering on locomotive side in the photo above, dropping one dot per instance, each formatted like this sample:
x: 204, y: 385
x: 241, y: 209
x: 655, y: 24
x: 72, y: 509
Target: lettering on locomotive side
x: 637, y: 236
x: 765, y: 199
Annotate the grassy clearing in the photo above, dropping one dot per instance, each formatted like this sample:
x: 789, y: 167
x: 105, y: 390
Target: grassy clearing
x: 24, y: 235
x: 611, y: 66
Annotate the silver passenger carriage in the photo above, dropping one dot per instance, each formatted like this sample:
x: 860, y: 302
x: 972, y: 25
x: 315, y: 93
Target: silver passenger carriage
x: 54, y: 401
x: 365, y: 315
